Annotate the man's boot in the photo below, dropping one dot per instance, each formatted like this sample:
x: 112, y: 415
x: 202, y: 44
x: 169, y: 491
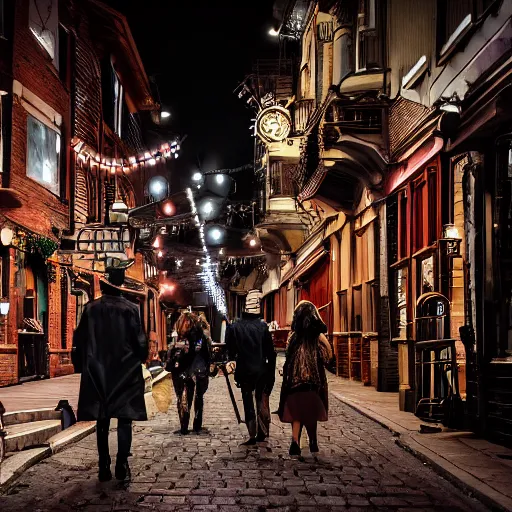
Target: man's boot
x: 251, y: 427
x: 104, y: 473
x: 122, y: 472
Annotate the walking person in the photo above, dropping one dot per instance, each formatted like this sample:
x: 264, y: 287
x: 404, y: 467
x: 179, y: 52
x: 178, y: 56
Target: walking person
x: 189, y: 364
x: 304, y: 393
x: 250, y: 345
x: 109, y: 348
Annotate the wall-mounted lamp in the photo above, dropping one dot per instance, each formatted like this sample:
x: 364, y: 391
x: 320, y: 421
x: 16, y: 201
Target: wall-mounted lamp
x: 451, y: 231
x: 6, y: 236
x: 4, y: 307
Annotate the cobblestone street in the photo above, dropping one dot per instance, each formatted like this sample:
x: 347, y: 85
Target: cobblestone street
x: 359, y: 468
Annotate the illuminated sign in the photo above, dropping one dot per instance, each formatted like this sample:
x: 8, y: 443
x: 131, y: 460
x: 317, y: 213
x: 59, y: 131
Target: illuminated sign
x: 273, y: 124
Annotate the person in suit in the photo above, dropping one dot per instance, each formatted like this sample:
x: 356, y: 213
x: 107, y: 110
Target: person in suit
x: 250, y: 345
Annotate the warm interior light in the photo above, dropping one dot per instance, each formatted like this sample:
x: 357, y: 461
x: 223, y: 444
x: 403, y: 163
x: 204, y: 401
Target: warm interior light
x: 451, y: 231
x: 119, y: 206
x: 169, y: 208
x: 160, y: 254
x: 156, y: 243
x: 252, y: 242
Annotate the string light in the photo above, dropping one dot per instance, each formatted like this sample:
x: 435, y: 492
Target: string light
x: 208, y: 275
x: 167, y: 150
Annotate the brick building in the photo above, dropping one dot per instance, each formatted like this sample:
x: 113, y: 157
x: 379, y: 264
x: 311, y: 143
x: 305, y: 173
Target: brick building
x: 75, y: 102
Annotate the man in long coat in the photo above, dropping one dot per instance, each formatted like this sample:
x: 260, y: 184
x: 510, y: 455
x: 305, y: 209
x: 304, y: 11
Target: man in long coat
x: 250, y: 345
x: 108, y: 349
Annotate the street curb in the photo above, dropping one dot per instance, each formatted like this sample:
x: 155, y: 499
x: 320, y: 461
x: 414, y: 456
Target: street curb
x: 467, y: 483
x: 18, y: 463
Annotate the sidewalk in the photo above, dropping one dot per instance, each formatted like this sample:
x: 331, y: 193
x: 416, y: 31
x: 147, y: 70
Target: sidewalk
x: 481, y: 468
x: 41, y: 393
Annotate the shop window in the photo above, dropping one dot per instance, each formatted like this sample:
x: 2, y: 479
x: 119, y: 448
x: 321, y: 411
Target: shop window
x: 419, y: 216
x: 432, y: 205
x: 43, y: 23
x: 357, y: 309
x: 372, y: 298
x: 43, y: 154
x: 503, y: 244
x: 342, y: 297
x: 426, y: 275
x: 400, y: 286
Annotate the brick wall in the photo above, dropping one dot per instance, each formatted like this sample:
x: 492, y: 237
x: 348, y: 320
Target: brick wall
x: 33, y: 68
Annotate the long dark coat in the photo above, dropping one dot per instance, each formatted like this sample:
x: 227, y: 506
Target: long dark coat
x: 108, y: 349
x: 250, y: 343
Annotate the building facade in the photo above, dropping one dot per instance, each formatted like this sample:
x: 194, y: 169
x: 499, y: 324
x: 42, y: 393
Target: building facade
x: 396, y: 158
x: 74, y: 162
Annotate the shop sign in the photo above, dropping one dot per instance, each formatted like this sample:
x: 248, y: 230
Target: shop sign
x: 273, y: 124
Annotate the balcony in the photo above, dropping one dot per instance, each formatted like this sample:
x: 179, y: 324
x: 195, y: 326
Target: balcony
x: 302, y: 113
x: 355, y: 120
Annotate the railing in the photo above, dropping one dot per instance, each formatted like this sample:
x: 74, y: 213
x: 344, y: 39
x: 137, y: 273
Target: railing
x: 302, y: 112
x: 352, y: 120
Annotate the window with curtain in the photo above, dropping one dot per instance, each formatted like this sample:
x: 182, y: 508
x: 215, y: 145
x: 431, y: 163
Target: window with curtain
x: 43, y: 154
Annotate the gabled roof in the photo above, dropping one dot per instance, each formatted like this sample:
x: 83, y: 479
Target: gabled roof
x: 112, y: 28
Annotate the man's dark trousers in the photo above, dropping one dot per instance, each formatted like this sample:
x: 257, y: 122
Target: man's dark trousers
x: 257, y: 421
x: 124, y: 440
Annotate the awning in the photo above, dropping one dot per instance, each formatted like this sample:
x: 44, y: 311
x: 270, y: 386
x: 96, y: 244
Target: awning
x: 304, y: 267
x: 428, y: 150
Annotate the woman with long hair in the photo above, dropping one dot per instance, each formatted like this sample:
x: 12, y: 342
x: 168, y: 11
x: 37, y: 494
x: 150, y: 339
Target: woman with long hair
x: 304, y: 393
x: 189, y: 364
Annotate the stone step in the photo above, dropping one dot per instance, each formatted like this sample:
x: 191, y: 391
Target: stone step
x: 14, y: 466
x: 26, y: 435
x: 71, y: 435
x: 16, y: 417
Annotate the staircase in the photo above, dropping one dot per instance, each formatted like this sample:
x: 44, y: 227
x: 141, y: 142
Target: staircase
x: 26, y: 437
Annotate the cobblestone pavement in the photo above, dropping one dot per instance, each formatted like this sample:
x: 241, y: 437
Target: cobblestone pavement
x: 359, y: 468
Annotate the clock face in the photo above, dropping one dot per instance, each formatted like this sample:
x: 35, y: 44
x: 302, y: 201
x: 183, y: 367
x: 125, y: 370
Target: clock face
x: 274, y: 124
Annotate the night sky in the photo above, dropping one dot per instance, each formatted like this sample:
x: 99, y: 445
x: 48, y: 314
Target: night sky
x: 200, y: 51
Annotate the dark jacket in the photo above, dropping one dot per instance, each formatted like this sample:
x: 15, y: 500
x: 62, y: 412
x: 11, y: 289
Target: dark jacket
x: 108, y: 349
x: 250, y: 344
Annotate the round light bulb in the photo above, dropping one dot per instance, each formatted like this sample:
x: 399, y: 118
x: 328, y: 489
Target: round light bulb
x: 219, y: 179
x: 253, y: 242
x: 207, y: 208
x: 197, y: 176
x: 216, y: 234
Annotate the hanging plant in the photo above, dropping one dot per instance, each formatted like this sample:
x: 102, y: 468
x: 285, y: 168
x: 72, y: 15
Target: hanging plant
x: 44, y: 246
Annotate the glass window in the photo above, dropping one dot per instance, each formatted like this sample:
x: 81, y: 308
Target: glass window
x: 427, y: 275
x: 357, y: 309
x: 43, y: 154
x: 43, y: 23
x: 343, y: 311
x: 400, y: 303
